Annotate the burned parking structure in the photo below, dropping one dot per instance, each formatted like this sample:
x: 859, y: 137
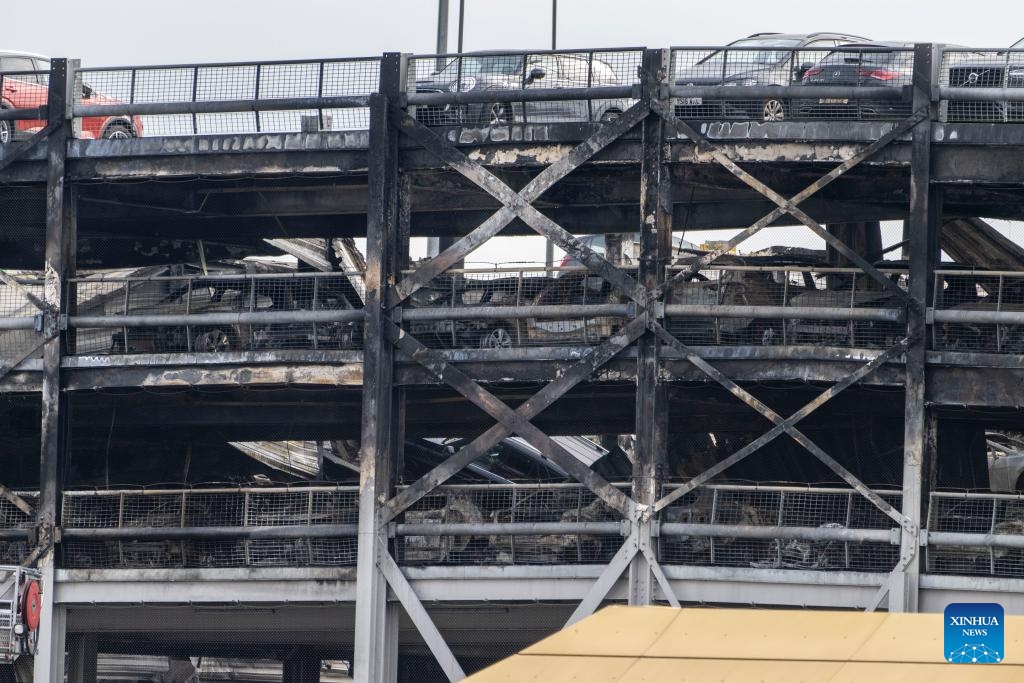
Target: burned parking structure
x: 240, y: 402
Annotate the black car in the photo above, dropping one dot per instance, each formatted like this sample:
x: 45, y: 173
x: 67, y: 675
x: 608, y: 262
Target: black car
x: 482, y: 71
x: 860, y: 65
x: 761, y: 59
x: 1002, y: 69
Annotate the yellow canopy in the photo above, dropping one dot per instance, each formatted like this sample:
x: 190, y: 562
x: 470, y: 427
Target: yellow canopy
x: 663, y: 644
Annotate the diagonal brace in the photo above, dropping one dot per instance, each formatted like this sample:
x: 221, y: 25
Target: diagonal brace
x: 781, y: 424
x: 551, y: 392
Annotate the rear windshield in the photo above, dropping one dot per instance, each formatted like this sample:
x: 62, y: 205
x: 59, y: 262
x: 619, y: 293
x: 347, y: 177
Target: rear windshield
x: 860, y: 58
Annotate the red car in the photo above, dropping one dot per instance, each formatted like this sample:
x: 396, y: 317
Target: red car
x: 27, y: 91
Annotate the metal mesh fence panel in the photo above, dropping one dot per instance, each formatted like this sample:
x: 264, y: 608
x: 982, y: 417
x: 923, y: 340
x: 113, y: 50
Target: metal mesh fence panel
x: 519, y: 71
x: 973, y: 294
x: 22, y: 89
x: 992, y: 70
x: 520, y: 291
x: 252, y: 87
x: 980, y: 515
x: 750, y: 506
x: 884, y: 69
x: 842, y: 289
x: 267, y: 295
x: 242, y: 508
x: 503, y: 504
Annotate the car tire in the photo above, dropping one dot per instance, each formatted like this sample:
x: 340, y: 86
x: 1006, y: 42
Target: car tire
x: 214, y: 340
x: 774, y: 110
x: 496, y: 114
x: 6, y: 130
x: 118, y: 130
x: 496, y: 338
x: 610, y: 116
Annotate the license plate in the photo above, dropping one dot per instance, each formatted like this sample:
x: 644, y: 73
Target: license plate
x: 691, y: 101
x: 833, y: 100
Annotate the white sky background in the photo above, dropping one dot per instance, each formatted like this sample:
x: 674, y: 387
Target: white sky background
x: 156, y: 31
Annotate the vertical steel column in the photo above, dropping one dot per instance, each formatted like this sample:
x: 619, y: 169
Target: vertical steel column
x: 376, y: 627
x: 651, y: 452
x: 924, y: 226
x: 60, y: 264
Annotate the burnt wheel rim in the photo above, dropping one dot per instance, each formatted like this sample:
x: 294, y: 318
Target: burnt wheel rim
x: 118, y: 133
x: 498, y: 338
x: 497, y: 115
x: 773, y: 110
x: 5, y: 132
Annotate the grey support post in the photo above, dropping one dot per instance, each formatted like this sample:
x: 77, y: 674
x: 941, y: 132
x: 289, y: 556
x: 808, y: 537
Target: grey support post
x: 651, y: 397
x: 376, y: 628
x: 60, y: 265
x: 925, y: 217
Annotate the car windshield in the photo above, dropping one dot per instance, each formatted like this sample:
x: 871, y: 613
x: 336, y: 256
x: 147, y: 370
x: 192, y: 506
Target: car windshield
x: 750, y: 56
x: 499, y: 65
x: 1019, y: 45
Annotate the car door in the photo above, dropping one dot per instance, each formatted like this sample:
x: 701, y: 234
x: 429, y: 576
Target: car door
x: 544, y: 112
x: 23, y: 90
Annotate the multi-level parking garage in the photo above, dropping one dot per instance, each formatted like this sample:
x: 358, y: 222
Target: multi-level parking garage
x: 373, y: 459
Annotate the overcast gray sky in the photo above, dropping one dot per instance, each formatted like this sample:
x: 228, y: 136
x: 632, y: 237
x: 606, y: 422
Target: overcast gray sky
x: 158, y: 31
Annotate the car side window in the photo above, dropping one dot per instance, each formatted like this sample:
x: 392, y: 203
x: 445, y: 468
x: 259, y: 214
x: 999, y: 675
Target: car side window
x: 8, y: 64
x: 574, y: 70
x: 603, y: 73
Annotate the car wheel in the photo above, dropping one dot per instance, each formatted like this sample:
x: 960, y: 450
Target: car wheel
x: 6, y: 128
x: 773, y: 110
x: 498, y: 338
x: 212, y: 341
x: 611, y: 116
x: 496, y: 114
x: 118, y: 131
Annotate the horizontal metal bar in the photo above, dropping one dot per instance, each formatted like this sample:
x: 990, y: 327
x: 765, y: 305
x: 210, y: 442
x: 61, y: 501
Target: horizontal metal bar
x: 786, y: 532
x: 557, y: 486
x: 247, y: 318
x: 975, y: 540
x: 893, y: 315
x: 981, y: 273
x: 601, y: 92
x: 510, y: 529
x: 214, y: 278
x: 21, y: 323
x: 179, y: 533
x: 220, y: 106
x: 810, y: 92
x: 14, y: 534
x: 239, y: 491
x: 965, y: 495
x: 980, y: 317
x: 36, y: 113
x: 517, y: 312
x: 220, y: 65
x: 778, y: 489
x: 982, y: 94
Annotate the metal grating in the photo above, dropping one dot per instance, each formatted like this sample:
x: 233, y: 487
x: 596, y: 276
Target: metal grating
x: 523, y: 71
x: 977, y: 514
x: 836, y: 288
x: 971, y: 292
x: 206, y: 508
x: 248, y: 85
x: 508, y: 504
x: 746, y: 506
x: 219, y: 294
x: 983, y: 69
x: 773, y: 65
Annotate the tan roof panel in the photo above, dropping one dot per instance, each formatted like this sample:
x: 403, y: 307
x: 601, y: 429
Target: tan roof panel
x: 614, y: 631
x: 557, y: 669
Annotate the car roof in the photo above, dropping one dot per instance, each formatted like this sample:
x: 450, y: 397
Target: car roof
x: 806, y: 36
x: 19, y: 53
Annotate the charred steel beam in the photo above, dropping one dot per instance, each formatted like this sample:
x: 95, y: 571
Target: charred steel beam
x: 244, y: 318
x: 29, y: 114
x: 554, y: 311
x: 814, y: 534
x: 185, y: 533
x: 890, y: 315
x: 511, y: 529
x: 978, y: 317
x: 944, y: 538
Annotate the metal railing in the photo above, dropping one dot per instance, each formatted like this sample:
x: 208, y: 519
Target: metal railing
x: 769, y: 83
x: 778, y: 527
x: 241, y: 97
x: 215, y: 313
x: 984, y: 85
x: 976, y: 534
x: 979, y: 311
x: 210, y: 527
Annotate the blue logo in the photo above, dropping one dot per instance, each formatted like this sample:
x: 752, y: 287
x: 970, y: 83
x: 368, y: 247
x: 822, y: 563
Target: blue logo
x: 974, y: 633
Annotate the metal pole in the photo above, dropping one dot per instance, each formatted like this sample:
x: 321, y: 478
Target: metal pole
x: 442, y: 27
x: 60, y: 263
x: 554, y: 24
x: 462, y: 21
x: 376, y: 627
x: 924, y: 223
